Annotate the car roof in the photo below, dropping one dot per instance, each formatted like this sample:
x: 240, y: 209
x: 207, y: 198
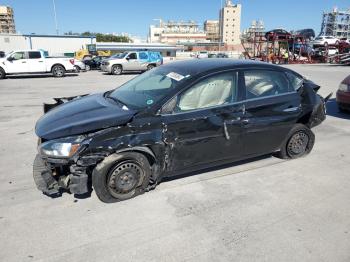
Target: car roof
x: 198, y: 66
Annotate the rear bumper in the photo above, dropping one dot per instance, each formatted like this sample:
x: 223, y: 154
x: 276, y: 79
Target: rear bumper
x: 52, y: 184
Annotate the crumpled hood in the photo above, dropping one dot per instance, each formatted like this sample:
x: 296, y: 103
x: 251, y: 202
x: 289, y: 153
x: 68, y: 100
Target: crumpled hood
x: 80, y: 116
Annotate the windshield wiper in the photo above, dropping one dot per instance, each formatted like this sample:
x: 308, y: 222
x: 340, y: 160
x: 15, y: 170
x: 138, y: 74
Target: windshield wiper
x: 119, y: 102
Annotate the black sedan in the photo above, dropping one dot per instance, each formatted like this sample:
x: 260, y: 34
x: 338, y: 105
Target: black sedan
x: 94, y: 63
x: 177, y: 118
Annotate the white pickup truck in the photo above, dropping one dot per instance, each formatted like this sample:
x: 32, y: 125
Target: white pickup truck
x: 34, y: 62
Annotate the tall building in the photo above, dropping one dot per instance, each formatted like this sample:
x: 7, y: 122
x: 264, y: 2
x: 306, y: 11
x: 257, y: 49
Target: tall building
x: 336, y: 23
x: 7, y: 21
x: 230, y: 23
x: 212, y: 29
x: 172, y: 32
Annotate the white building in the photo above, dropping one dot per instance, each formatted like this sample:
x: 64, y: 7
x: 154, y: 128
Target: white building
x: 176, y: 33
x: 55, y: 45
x: 230, y: 23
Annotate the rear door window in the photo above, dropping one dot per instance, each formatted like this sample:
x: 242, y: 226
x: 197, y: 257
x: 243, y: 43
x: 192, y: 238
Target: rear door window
x: 34, y: 55
x: 264, y: 83
x: 143, y: 56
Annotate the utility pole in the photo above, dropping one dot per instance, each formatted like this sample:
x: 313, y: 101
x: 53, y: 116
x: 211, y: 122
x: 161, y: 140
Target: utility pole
x: 54, y: 11
x: 220, y: 19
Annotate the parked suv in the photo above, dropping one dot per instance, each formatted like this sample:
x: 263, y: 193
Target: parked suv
x: 34, y: 62
x: 131, y: 61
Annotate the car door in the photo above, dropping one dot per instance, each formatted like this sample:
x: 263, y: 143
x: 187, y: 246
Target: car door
x: 205, y: 124
x: 272, y: 108
x: 17, y: 62
x: 132, y: 63
x: 35, y: 62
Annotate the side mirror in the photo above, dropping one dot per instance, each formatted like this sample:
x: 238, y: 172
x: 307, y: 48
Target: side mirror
x: 127, y: 58
x: 10, y: 59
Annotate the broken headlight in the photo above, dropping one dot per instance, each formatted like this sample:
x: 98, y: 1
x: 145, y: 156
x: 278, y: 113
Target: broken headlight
x: 64, y: 147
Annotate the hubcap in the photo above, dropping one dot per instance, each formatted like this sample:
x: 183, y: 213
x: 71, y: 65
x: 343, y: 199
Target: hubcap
x: 117, y: 70
x: 58, y: 71
x: 298, y: 143
x: 124, y: 178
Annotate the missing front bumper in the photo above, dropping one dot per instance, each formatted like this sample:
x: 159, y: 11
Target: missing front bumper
x: 76, y: 182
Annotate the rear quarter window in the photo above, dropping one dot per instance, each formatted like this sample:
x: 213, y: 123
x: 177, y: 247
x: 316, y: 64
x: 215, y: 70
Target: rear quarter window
x: 264, y: 83
x: 295, y: 81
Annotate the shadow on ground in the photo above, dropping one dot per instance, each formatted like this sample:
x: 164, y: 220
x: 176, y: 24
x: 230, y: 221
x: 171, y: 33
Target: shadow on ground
x: 333, y: 110
x: 37, y: 76
x: 216, y: 168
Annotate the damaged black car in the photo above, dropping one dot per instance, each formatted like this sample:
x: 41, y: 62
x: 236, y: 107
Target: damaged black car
x: 178, y: 118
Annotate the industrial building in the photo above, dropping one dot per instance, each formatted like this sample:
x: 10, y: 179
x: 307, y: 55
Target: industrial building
x: 230, y: 24
x: 7, y: 21
x: 172, y: 32
x: 54, y: 44
x: 212, y: 29
x: 336, y: 23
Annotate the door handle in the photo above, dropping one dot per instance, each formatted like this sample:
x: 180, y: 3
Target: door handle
x: 24, y: 62
x: 292, y: 109
x: 40, y: 61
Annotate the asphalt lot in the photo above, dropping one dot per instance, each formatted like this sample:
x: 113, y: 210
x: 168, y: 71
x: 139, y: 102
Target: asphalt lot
x: 262, y: 210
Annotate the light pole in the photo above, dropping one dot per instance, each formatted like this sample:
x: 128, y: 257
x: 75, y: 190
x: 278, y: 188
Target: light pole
x: 54, y: 11
x: 220, y: 21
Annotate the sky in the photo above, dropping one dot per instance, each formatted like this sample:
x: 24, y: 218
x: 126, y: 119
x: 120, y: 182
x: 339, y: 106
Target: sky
x: 135, y: 16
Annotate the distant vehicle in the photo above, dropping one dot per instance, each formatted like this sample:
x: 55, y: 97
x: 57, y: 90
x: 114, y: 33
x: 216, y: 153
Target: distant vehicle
x: 79, y: 65
x: 306, y: 33
x: 94, y: 63
x: 343, y: 95
x: 212, y: 55
x: 131, y: 61
x: 2, y: 54
x: 221, y: 55
x: 325, y: 41
x: 34, y: 62
x: 203, y: 54
x: 89, y: 52
x: 278, y: 34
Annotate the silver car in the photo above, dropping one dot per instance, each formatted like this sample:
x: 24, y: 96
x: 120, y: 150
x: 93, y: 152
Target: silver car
x: 131, y: 61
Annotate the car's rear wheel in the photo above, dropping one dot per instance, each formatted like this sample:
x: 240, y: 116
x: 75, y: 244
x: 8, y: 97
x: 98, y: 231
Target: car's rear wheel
x: 77, y: 69
x: 150, y: 67
x: 58, y: 71
x: 117, y: 70
x: 121, y: 177
x: 299, y: 142
x: 2, y: 73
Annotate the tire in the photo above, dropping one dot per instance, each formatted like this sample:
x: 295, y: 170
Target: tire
x: 87, y: 68
x: 58, y: 71
x: 117, y: 70
x: 121, y: 176
x: 2, y: 73
x: 325, y: 44
x: 299, y: 143
x: 77, y: 69
x: 337, y: 43
x: 150, y: 67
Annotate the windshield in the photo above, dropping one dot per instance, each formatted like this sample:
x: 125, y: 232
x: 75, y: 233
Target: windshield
x: 147, y: 89
x: 119, y: 56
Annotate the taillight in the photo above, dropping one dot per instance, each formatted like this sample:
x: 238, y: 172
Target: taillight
x: 71, y: 61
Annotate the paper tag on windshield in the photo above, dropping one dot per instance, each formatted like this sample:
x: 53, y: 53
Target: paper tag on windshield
x: 175, y: 76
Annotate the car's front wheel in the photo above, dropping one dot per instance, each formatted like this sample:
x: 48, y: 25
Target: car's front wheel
x: 2, y: 73
x: 299, y: 142
x: 117, y: 70
x: 121, y: 177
